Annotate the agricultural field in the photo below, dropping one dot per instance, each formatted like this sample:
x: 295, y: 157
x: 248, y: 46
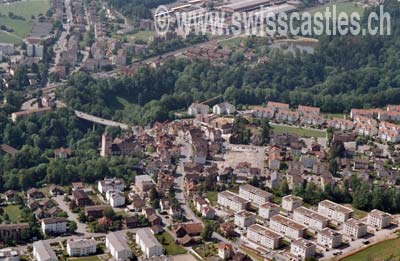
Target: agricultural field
x: 386, y: 250
x: 302, y: 132
x: 27, y: 9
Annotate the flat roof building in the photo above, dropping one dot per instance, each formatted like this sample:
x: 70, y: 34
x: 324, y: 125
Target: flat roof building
x: 329, y: 238
x: 334, y: 211
x: 287, y: 227
x: 291, y: 202
x: 310, y: 218
x: 354, y: 228
x: 263, y: 236
x: 379, y: 219
x: 232, y: 201
x: 43, y: 252
x: 254, y: 194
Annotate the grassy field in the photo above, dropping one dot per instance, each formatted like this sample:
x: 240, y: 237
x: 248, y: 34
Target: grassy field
x: 142, y: 35
x: 212, y: 197
x: 25, y: 9
x: 13, y: 212
x: 87, y: 258
x: 298, y: 131
x: 347, y: 7
x: 6, y: 38
x: 207, y: 251
x: 386, y: 250
x: 232, y: 42
x: 169, y: 244
x: 358, y: 214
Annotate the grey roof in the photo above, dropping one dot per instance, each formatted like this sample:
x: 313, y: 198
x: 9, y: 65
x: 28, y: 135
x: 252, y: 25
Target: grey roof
x: 44, y: 251
x: 82, y: 243
x: 118, y: 240
x: 148, y: 238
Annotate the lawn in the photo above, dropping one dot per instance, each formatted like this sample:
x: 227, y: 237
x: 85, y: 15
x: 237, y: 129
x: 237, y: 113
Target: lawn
x: 333, y: 115
x: 207, y: 251
x: 232, y: 42
x: 26, y: 9
x: 298, y: 131
x: 13, y: 212
x: 145, y: 36
x: 168, y: 242
x: 385, y: 250
x: 346, y: 7
x: 6, y: 38
x: 358, y: 214
x: 212, y: 197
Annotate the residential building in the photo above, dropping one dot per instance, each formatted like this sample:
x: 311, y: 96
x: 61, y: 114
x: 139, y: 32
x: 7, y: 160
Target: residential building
x: 232, y: 201
x: 302, y: 248
x: 263, y: 236
x: 144, y: 183
x: 308, y: 109
x: 254, y: 194
x: 341, y: 124
x: 8, y: 254
x: 262, y: 112
x: 225, y: 250
x: 287, y: 227
x: 111, y: 184
x: 115, y: 198
x: 117, y: 147
x: 334, y: 211
x: 96, y: 211
x: 13, y: 231
x: 354, y: 228
x: 268, y: 210
x: 116, y: 243
x: 329, y: 238
x: 81, y: 198
x: 198, y: 108
x: 224, y: 108
x: 291, y: 202
x: 245, y: 218
x: 379, y: 219
x: 81, y: 247
x: 310, y: 218
x: 42, y: 251
x: 148, y: 243
x: 277, y: 106
x: 54, y: 225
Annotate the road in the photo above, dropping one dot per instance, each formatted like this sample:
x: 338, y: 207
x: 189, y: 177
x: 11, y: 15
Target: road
x: 187, y: 152
x: 82, y: 228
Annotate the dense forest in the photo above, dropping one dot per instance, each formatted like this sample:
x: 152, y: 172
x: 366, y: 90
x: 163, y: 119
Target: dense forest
x: 35, y: 163
x: 344, y: 72
x: 135, y: 9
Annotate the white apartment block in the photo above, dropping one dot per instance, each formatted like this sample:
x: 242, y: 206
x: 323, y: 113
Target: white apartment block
x: 8, y: 254
x: 254, y: 194
x: 245, y: 219
x: 291, y: 202
x: 232, y: 201
x: 354, y: 228
x: 54, y: 225
x: 43, y: 252
x: 263, y: 236
x: 287, y: 227
x: 310, y: 218
x: 116, y: 243
x: 81, y: 247
x: 115, y: 198
x: 148, y: 243
x: 379, y: 219
x: 334, y: 211
x: 329, y: 238
x: 111, y: 184
x: 302, y: 248
x: 268, y: 210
